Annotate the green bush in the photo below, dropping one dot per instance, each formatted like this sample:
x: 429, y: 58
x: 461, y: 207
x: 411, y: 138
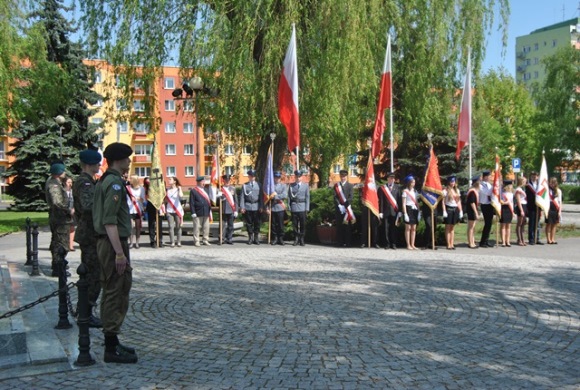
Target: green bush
x: 570, y: 194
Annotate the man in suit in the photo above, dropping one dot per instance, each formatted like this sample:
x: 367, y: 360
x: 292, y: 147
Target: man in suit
x: 229, y: 202
x: 278, y: 209
x: 390, y: 206
x: 299, y: 200
x: 343, y: 195
x: 251, y: 205
x: 200, y: 203
x: 534, y: 212
x: 485, y: 193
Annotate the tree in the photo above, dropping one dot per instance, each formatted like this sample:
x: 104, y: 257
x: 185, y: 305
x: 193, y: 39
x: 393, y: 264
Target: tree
x: 238, y: 47
x: 504, y: 122
x: 53, y: 82
x: 559, y: 107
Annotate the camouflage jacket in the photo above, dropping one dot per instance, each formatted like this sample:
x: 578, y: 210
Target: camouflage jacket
x: 57, y: 200
x: 83, y: 195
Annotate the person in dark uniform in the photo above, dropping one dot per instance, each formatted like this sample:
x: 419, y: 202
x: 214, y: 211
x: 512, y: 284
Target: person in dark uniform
x: 154, y: 220
x: 113, y: 226
x: 390, y: 209
x: 229, y: 202
x: 251, y: 206
x: 299, y: 201
x: 485, y: 193
x: 200, y: 202
x: 343, y: 195
x: 83, y: 194
x: 472, y: 201
x: 59, y: 216
x: 278, y: 209
x: 534, y: 212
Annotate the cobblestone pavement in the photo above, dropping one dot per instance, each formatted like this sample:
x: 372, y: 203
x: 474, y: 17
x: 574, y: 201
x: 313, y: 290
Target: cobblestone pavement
x: 318, y: 317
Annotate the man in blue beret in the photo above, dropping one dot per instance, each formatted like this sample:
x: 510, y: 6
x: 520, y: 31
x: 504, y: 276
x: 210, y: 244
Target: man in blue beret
x: 59, y: 217
x: 113, y: 227
x: 83, y: 195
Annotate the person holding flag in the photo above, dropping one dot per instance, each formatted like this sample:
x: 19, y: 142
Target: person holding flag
x: 299, y: 202
x: 410, y: 211
x: 555, y: 213
x: 343, y: 195
x: 229, y: 208
x: 485, y: 194
x: 174, y: 210
x: 390, y: 209
x: 251, y: 206
x: 431, y: 194
x: 533, y: 210
x: 200, y: 204
x: 507, y: 212
x: 370, y: 209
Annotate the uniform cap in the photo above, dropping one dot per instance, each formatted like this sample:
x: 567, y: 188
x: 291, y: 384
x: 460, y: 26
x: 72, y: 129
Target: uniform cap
x: 226, y: 177
x: 90, y: 157
x: 57, y: 168
x: 485, y: 173
x: 277, y: 174
x: 533, y: 173
x: 297, y: 173
x: 474, y: 179
x: 251, y: 172
x: 451, y: 179
x: 343, y: 172
x: 200, y: 178
x: 507, y: 182
x: 391, y: 174
x: 117, y: 151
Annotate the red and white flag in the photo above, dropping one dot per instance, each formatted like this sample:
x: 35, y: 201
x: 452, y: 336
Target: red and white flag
x: 288, y: 95
x: 215, y: 171
x: 370, y: 196
x: 385, y: 101
x: 543, y: 192
x: 464, y: 125
x: 497, y: 187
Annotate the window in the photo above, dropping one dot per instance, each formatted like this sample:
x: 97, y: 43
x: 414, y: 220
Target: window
x: 536, y: 61
x: 288, y: 169
x: 527, y: 76
x: 246, y: 169
x: 141, y: 127
x: 554, y: 42
x: 99, y: 103
x: 336, y: 168
x: 536, y: 47
x: 142, y: 171
x: 536, y: 74
x: 528, y: 61
x: 170, y: 127
x: 2, y: 178
x: 188, y: 150
x: 208, y: 150
x: 247, y: 149
x: 229, y: 149
x: 189, y: 171
x: 97, y: 121
x: 138, y: 105
x: 170, y: 171
x: 169, y: 105
x: 187, y: 106
x: 138, y: 84
x: 208, y: 170
x: 120, y: 81
x: 353, y: 170
x: 2, y: 154
x: 122, y: 127
x: 188, y: 127
x: 121, y: 104
x: 169, y: 83
x: 170, y: 150
x: 229, y: 170
x: 97, y: 77
x: 304, y: 169
x: 142, y: 150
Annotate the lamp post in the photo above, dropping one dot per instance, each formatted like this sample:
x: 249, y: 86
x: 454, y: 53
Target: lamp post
x: 59, y: 119
x: 196, y: 83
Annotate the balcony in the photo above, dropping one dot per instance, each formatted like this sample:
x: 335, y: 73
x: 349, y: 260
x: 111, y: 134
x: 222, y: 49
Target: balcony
x: 521, y: 68
x: 521, y: 54
x: 143, y: 137
x: 142, y: 158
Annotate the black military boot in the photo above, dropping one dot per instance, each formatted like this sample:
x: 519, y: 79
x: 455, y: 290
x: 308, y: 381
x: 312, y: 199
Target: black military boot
x: 302, y: 240
x: 280, y: 240
x: 296, y: 241
x: 250, y: 238
x: 274, y: 240
x: 256, y: 239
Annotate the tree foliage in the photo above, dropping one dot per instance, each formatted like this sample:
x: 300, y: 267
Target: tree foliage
x: 238, y: 46
x: 53, y: 81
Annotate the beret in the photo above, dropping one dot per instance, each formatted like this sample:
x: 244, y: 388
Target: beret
x: 57, y: 168
x: 409, y: 178
x: 90, y: 156
x: 297, y: 173
x: 277, y: 174
x: 251, y: 172
x: 117, y: 151
x: 451, y: 179
x: 475, y: 179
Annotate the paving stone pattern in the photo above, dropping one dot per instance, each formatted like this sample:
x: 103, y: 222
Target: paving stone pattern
x: 318, y: 317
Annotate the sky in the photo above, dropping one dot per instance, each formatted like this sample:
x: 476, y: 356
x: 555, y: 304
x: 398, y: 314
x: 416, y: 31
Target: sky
x: 525, y: 17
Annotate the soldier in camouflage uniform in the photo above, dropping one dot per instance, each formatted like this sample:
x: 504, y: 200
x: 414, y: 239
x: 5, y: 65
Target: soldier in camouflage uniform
x: 113, y: 227
x: 58, y: 216
x: 83, y: 195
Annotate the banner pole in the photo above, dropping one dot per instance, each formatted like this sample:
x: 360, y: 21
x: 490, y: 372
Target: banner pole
x: 433, y: 229
x: 369, y: 227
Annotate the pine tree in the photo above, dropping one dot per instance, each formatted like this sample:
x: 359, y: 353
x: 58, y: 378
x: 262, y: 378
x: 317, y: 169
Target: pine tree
x: 56, y: 82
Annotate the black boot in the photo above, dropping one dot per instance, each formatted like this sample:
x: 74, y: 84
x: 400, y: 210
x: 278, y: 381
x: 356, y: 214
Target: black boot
x: 256, y: 239
x: 94, y: 321
x: 296, y: 241
x: 302, y: 240
x: 274, y: 240
x: 250, y: 238
x: 280, y: 240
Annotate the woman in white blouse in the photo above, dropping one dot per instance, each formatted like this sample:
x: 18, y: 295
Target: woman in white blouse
x: 135, y: 199
x: 410, y: 211
x: 452, y: 211
x: 174, y: 210
x: 521, y: 209
x: 555, y: 213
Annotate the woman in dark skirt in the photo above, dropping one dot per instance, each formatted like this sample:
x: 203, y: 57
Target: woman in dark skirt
x: 507, y: 212
x: 410, y: 211
x: 521, y: 209
x: 555, y: 212
x: 452, y: 211
x: 471, y: 208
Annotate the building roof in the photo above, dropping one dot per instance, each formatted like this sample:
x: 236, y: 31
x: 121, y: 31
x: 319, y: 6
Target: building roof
x: 557, y: 25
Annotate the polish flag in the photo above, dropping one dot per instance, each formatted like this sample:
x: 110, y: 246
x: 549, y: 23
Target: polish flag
x: 288, y: 95
x: 464, y: 125
x: 370, y: 196
x: 543, y: 192
x: 385, y: 101
x: 215, y: 171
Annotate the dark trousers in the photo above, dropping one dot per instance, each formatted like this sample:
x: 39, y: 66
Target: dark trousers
x: 227, y: 227
x: 344, y: 231
x: 253, y: 221
x: 299, y: 223
x: 278, y: 224
x: 152, y: 214
x: 487, y: 211
x: 374, y: 226
x: 391, y: 230
x: 533, y: 224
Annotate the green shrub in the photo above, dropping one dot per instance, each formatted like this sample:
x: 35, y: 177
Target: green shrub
x: 570, y: 194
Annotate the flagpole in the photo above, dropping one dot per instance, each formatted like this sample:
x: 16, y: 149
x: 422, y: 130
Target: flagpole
x: 272, y: 138
x: 297, y: 158
x: 391, y: 142
x: 217, y: 157
x: 469, y: 70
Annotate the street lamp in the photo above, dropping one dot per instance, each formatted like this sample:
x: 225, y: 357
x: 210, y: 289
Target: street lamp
x: 60, y: 121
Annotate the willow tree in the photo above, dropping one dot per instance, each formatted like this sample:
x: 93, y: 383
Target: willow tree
x: 237, y: 47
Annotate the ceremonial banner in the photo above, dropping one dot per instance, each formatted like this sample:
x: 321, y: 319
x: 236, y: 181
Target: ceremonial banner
x: 288, y: 95
x: 543, y: 193
x: 464, y: 125
x: 370, y: 197
x: 497, y: 187
x: 385, y: 101
x: 157, y: 187
x: 432, y: 191
x: 268, y: 186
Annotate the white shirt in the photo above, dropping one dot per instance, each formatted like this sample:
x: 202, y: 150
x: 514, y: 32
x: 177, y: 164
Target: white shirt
x: 173, y: 195
x: 485, y: 192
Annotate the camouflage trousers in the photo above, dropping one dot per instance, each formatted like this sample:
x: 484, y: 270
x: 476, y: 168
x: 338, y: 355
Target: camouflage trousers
x: 115, y: 287
x: 60, y: 238
x: 91, y: 260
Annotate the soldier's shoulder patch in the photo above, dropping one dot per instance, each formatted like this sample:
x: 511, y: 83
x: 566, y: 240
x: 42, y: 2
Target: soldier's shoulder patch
x: 116, y: 187
x: 116, y: 198
x: 87, y: 183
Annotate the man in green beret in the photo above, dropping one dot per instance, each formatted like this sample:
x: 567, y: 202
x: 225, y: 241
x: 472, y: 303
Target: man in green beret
x: 83, y: 195
x: 113, y: 227
x: 59, y: 216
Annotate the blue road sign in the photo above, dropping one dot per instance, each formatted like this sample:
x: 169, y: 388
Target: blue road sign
x: 516, y: 165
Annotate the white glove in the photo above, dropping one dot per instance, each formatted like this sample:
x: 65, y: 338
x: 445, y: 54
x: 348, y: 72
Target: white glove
x: 419, y: 216
x: 407, y: 218
x: 399, y: 215
x: 342, y: 209
x: 460, y: 214
x: 381, y: 215
x: 235, y: 214
x: 193, y: 215
x: 445, y: 214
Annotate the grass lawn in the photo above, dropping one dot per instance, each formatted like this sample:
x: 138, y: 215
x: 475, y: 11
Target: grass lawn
x: 13, y: 221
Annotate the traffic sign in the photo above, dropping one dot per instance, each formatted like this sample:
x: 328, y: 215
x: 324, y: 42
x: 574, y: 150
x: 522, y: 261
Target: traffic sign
x: 516, y: 165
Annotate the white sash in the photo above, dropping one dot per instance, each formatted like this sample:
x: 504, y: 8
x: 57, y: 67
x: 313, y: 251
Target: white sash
x: 390, y: 198
x: 206, y: 197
